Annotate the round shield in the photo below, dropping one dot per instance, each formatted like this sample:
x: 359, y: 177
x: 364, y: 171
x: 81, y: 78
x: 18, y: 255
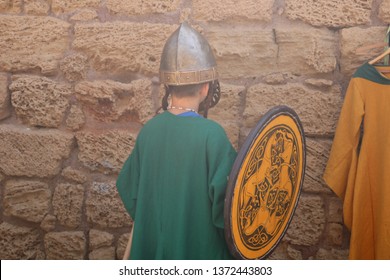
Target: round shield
x: 265, y: 184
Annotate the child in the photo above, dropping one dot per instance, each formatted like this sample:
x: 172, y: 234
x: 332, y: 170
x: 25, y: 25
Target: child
x: 173, y: 184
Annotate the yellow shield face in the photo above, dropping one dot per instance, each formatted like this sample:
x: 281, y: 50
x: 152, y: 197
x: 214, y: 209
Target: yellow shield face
x: 265, y: 184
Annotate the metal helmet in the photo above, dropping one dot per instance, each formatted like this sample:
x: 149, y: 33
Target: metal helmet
x: 187, y: 59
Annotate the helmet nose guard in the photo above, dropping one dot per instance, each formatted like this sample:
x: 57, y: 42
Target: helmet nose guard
x: 187, y: 58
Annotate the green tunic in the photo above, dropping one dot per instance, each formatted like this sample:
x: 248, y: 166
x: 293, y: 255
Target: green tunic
x: 173, y: 185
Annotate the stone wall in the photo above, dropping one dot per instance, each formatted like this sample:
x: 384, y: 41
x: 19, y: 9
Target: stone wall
x: 78, y: 79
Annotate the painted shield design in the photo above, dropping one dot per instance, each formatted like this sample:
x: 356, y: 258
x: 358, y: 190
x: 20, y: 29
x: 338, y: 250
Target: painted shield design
x: 265, y: 184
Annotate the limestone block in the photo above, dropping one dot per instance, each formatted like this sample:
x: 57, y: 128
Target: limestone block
x: 332, y: 254
x: 354, y: 42
x: 32, y: 42
x: 334, y: 236
x: 74, y: 67
x: 49, y: 223
x: 308, y: 223
x: 141, y: 7
x: 68, y: 6
x: 4, y: 97
x: 384, y: 11
x: 66, y: 245
x: 84, y: 15
x: 19, y: 243
x: 227, y: 111
x: 105, y: 151
x: 104, y: 253
x: 111, y: 101
x: 36, y: 7
x: 67, y: 204
x: 318, y: 110
x: 121, y: 247
x: 335, y: 210
x: 74, y: 175
x: 122, y: 46
x: 306, y: 50
x: 319, y: 82
x: 330, y: 13
x: 231, y: 9
x: 11, y: 6
x: 248, y: 51
x: 76, y: 118
x: 104, y: 206
x: 28, y: 200
x: 39, y: 101
x: 294, y: 253
x: 317, y: 153
x: 98, y: 239
x: 32, y: 153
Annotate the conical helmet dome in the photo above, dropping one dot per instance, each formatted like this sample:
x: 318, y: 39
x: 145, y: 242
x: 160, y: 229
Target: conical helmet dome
x: 187, y: 58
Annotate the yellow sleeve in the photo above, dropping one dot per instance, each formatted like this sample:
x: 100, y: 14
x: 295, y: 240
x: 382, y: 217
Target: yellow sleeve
x: 340, y: 172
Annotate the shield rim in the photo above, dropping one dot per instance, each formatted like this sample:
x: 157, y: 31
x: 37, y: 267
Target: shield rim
x: 268, y: 117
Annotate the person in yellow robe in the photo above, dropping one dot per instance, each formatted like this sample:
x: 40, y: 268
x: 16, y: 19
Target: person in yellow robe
x: 358, y: 170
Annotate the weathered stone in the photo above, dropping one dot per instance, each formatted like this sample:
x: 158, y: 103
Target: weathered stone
x: 39, y: 101
x: 28, y: 200
x: 49, y: 223
x: 308, y: 223
x: 68, y: 6
x: 141, y: 7
x: 98, y: 239
x: 104, y: 206
x: 317, y: 153
x: 334, y: 234
x: 319, y: 82
x: 67, y: 204
x: 353, y: 40
x: 74, y: 67
x: 317, y: 110
x: 74, y: 175
x: 32, y: 153
x: 230, y: 9
x: 5, y: 103
x: 111, y: 101
x: 76, y: 118
x: 105, y: 151
x: 31, y: 42
x: 104, y: 253
x: 262, y: 52
x: 122, y: 46
x: 294, y: 253
x: 84, y: 15
x: 36, y: 7
x: 19, y: 243
x: 384, y: 11
x: 67, y: 245
x: 280, y: 252
x: 227, y: 111
x: 11, y: 6
x: 335, y: 210
x: 332, y: 254
x: 121, y: 246
x: 331, y: 13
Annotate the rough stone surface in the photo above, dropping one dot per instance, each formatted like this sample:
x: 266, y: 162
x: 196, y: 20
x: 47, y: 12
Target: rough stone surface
x: 104, y: 253
x: 335, y: 210
x: 317, y: 153
x: 121, y: 247
x: 76, y: 118
x: 332, y: 254
x: 334, y: 234
x: 74, y: 175
x: 84, y: 15
x: 74, y: 67
x: 19, y: 243
x: 98, y: 239
x: 111, y: 101
x: 317, y: 110
x: 104, y: 206
x: 231, y: 9
x: 4, y: 97
x: 11, y: 6
x: 66, y: 245
x: 39, y: 101
x: 308, y: 223
x: 140, y: 7
x: 21, y: 151
x: 105, y: 151
x: 331, y: 13
x: 384, y: 11
x: 122, y: 46
x: 67, y: 204
x: 67, y: 6
x: 36, y: 7
x: 354, y: 41
x: 37, y: 42
x: 49, y: 223
x: 28, y: 200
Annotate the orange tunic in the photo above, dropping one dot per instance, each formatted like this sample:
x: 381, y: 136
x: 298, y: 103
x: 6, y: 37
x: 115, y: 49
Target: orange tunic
x: 360, y: 173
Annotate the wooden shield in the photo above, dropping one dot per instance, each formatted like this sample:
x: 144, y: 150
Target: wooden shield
x: 265, y: 184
